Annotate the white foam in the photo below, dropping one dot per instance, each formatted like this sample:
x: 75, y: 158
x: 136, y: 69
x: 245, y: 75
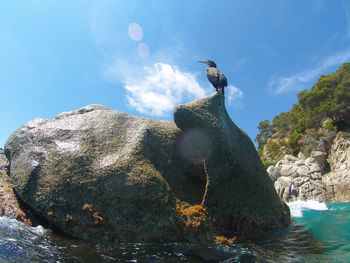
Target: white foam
x: 39, y: 230
x: 297, y: 207
x: 11, y: 224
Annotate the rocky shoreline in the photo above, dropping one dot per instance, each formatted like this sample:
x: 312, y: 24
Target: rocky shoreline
x: 322, y: 176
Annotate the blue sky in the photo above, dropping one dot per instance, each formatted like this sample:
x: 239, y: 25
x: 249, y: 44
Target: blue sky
x: 140, y: 57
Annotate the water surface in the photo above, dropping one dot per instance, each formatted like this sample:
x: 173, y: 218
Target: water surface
x: 321, y: 234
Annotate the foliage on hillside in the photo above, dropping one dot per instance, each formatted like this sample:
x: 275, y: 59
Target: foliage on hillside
x: 322, y: 110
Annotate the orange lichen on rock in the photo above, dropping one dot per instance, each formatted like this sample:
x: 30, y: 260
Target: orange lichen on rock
x: 193, y: 216
x: 21, y: 216
x: 9, y: 205
x: 98, y: 219
x: 69, y: 218
x: 87, y: 207
x: 225, y: 240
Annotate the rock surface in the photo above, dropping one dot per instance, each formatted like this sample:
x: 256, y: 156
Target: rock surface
x: 97, y: 173
x: 240, y: 195
x: 298, y: 179
x: 338, y: 180
x: 9, y: 205
x: 308, y: 179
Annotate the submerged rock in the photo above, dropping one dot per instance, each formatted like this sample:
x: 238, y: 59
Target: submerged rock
x: 97, y: 173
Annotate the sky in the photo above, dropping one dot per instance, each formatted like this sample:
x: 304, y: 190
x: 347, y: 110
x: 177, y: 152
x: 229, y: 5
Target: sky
x: 141, y: 57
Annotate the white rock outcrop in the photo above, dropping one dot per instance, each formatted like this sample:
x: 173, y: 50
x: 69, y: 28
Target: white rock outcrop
x: 321, y: 177
x: 298, y: 178
x: 338, y: 180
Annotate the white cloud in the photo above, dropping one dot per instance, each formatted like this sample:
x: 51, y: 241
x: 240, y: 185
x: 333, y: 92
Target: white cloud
x: 234, y: 96
x: 301, y: 80
x: 158, y: 89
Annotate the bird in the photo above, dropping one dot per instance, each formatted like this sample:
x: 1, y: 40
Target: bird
x: 215, y: 76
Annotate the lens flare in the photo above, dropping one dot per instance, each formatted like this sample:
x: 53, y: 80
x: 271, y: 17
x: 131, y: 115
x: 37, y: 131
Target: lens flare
x: 135, y: 32
x: 195, y: 146
x: 143, y: 50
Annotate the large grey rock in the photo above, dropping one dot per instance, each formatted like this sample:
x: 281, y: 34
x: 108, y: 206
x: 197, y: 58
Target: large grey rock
x: 274, y: 172
x: 239, y: 191
x: 320, y: 157
x: 300, y: 178
x: 338, y: 179
x: 97, y: 173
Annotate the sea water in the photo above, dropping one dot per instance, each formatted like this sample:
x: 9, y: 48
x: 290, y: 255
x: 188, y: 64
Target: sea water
x: 329, y: 224
x: 321, y: 233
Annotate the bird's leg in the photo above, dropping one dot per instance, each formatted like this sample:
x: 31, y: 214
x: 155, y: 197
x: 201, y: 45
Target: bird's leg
x: 221, y: 91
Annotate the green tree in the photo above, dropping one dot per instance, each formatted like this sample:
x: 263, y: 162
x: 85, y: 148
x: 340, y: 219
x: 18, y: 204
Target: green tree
x: 293, y: 142
x: 281, y: 123
x: 328, y: 98
x: 265, y: 132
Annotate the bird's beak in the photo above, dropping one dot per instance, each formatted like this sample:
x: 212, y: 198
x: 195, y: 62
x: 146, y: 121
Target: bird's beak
x: 205, y: 62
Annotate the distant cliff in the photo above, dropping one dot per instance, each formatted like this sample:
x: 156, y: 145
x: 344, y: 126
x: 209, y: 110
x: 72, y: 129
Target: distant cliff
x: 306, y: 148
x: 312, y: 123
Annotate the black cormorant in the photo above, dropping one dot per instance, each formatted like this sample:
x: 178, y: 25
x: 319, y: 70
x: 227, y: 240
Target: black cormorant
x: 215, y: 76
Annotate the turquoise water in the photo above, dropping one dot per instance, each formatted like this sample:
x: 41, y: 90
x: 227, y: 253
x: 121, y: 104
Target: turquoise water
x: 332, y: 227
x: 321, y: 234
